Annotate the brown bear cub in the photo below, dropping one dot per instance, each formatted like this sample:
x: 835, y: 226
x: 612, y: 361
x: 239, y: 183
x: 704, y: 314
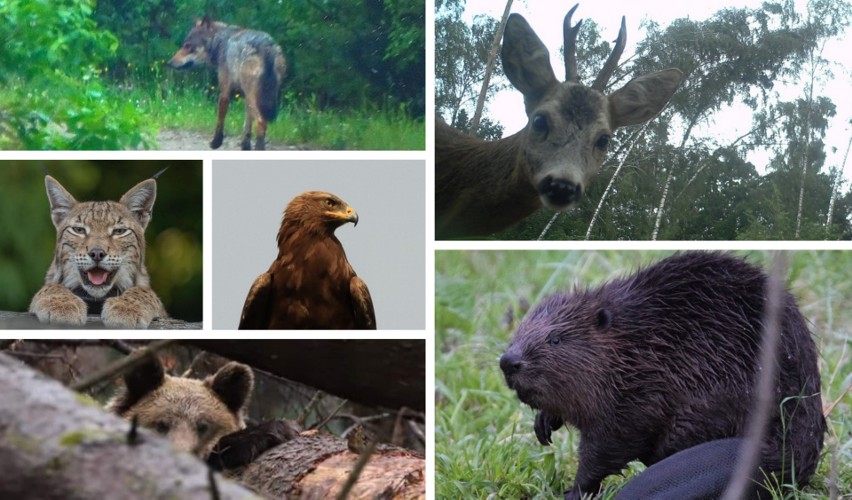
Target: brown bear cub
x: 194, y: 414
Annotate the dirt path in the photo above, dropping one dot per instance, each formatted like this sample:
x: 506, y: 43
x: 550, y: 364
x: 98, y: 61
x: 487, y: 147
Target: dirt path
x: 182, y: 139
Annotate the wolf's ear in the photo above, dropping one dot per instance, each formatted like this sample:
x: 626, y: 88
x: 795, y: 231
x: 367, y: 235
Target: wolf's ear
x: 140, y: 200
x: 61, y: 201
x: 205, y: 21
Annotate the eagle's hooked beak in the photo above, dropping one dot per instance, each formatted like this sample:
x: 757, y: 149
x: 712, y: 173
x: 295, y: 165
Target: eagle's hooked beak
x: 352, y: 216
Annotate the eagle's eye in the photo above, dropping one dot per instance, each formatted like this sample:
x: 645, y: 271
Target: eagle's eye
x: 330, y: 202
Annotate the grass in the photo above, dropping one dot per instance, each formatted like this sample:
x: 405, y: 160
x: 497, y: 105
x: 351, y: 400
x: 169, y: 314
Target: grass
x: 297, y: 124
x: 485, y: 446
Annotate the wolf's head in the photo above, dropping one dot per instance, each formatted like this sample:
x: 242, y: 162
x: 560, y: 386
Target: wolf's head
x: 196, y: 46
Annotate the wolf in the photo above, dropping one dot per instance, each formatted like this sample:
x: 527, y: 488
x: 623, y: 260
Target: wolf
x: 247, y: 61
x: 99, y: 263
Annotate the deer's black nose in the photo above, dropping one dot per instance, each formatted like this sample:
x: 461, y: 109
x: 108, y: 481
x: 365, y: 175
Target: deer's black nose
x: 559, y: 192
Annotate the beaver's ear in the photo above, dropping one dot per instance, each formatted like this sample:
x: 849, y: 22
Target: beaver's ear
x: 604, y: 318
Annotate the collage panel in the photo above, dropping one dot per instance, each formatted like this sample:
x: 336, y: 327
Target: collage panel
x: 107, y: 244
x: 319, y: 244
x: 642, y: 121
x: 559, y: 370
x: 200, y: 76
x: 277, y: 418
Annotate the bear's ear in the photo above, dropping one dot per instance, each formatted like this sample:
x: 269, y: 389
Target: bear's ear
x: 233, y: 384
x: 138, y: 383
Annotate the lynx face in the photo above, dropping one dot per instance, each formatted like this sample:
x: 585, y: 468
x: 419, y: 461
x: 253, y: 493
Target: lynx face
x: 99, y: 265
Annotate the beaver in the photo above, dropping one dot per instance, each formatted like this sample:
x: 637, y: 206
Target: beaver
x: 665, y: 360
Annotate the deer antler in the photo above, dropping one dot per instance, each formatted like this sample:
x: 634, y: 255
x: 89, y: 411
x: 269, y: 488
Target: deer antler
x: 612, y: 60
x: 569, y: 44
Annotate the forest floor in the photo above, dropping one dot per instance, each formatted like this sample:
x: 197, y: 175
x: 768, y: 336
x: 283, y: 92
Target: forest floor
x: 194, y: 140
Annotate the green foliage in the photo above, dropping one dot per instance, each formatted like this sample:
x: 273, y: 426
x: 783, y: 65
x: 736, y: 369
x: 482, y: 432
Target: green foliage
x: 346, y: 54
x: 460, y: 61
x: 485, y: 446
x: 52, y: 95
x: 298, y: 123
x: 174, y: 235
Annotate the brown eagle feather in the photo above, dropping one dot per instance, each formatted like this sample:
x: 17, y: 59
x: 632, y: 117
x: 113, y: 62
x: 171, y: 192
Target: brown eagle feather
x: 311, y: 284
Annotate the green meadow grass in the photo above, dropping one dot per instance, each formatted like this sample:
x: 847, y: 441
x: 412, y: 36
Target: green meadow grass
x: 296, y: 124
x: 485, y: 446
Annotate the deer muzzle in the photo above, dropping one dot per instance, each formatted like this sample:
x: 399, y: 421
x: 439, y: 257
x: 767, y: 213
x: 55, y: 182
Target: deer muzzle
x: 559, y: 193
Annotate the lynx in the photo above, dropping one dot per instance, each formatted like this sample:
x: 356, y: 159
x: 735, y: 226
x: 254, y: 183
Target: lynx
x: 99, y: 264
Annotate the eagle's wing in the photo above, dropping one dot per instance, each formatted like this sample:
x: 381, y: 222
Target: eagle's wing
x: 255, y: 314
x: 365, y: 316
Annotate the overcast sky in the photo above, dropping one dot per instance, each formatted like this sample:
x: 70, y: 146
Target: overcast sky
x: 386, y: 249
x: 545, y: 17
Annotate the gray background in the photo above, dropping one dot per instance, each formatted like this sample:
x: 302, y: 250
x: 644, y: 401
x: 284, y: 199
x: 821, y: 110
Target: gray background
x: 386, y: 249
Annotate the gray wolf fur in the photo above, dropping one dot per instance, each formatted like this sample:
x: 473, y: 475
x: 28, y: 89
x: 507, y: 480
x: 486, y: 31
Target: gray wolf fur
x: 247, y: 61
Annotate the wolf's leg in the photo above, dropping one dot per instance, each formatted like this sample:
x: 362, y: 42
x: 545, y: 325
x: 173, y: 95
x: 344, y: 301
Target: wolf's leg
x: 246, y: 141
x: 219, y: 134
x: 225, y: 90
x: 135, y: 308
x: 260, y: 143
x: 56, y: 304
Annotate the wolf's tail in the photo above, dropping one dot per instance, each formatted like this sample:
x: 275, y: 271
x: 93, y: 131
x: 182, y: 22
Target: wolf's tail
x: 269, y: 97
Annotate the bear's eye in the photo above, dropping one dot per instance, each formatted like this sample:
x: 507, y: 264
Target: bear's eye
x: 201, y: 428
x: 161, y: 427
x: 555, y: 340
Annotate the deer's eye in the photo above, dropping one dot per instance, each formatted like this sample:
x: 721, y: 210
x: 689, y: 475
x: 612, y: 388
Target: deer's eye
x: 603, y: 142
x: 539, y: 123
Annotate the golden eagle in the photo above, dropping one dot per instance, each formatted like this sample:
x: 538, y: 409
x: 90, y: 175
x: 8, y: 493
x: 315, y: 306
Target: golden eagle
x: 311, y: 284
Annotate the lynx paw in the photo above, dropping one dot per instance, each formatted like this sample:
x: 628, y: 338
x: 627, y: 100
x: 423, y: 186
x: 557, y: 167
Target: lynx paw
x: 65, y: 310
x: 118, y: 312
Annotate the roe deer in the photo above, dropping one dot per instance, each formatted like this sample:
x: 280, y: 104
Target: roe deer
x: 482, y: 187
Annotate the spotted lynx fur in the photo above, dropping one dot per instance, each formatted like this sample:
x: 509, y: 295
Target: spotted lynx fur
x: 99, y: 264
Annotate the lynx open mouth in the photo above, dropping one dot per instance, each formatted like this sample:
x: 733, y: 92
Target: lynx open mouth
x: 97, y: 277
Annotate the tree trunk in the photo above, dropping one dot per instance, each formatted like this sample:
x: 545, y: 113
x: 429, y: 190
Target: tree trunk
x: 489, y: 68
x: 316, y: 466
x: 835, y: 187
x: 386, y: 373
x: 27, y: 321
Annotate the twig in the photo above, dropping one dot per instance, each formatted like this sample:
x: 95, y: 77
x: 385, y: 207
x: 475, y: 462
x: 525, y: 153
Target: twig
x: 121, y: 366
x: 749, y: 453
x: 331, y: 416
x: 356, y: 470
x: 312, y: 404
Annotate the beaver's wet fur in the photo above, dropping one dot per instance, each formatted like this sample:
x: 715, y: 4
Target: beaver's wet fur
x: 664, y: 360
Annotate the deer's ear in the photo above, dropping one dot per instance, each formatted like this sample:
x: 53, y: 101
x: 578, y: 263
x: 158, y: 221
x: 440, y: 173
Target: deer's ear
x: 643, y: 97
x: 526, y: 61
